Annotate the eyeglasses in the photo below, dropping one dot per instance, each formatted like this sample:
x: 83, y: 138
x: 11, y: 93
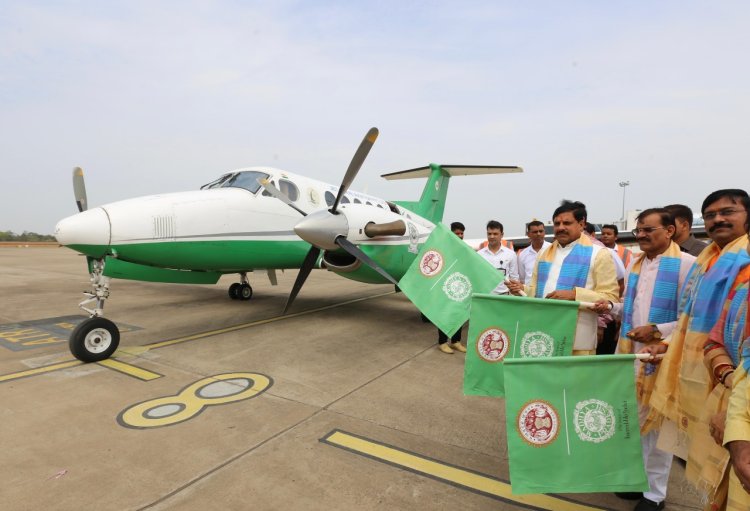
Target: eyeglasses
x: 645, y: 230
x: 711, y: 215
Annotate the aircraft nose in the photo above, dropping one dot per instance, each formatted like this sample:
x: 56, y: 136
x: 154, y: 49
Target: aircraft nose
x: 88, y: 228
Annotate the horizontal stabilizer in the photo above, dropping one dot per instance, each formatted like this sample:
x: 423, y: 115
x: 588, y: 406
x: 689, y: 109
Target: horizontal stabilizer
x: 452, y: 170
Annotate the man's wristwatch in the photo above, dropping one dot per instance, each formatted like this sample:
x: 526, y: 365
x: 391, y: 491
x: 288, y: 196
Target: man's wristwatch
x: 656, y: 334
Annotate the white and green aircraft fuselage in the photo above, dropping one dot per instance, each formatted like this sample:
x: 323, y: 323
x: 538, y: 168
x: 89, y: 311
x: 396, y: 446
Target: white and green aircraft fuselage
x: 255, y: 218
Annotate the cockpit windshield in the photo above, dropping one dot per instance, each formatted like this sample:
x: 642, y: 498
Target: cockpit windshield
x: 217, y: 182
x: 247, y: 179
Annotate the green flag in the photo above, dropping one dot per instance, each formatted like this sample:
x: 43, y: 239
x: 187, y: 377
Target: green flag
x: 572, y: 425
x: 443, y: 277
x: 503, y: 327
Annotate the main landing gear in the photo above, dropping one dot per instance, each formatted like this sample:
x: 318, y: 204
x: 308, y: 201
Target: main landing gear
x: 95, y: 338
x: 241, y: 290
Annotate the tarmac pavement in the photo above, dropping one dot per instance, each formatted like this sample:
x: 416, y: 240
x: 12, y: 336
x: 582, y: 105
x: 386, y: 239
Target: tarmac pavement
x: 212, y: 403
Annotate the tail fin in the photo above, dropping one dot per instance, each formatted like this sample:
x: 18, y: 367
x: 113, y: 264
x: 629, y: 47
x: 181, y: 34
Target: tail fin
x: 432, y: 203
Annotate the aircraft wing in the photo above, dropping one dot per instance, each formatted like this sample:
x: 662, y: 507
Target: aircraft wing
x: 452, y: 170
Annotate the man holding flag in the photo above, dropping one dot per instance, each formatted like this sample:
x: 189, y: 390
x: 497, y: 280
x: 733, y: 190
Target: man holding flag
x: 649, y: 314
x: 573, y: 268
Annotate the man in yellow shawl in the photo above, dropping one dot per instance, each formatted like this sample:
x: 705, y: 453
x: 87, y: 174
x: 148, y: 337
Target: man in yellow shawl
x: 573, y: 268
x: 727, y: 357
x: 649, y: 314
x: 683, y: 390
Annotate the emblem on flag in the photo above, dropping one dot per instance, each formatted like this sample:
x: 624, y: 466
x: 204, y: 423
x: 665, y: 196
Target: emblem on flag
x: 594, y: 420
x: 431, y: 263
x: 457, y: 287
x: 538, y: 423
x: 537, y: 344
x: 492, y: 345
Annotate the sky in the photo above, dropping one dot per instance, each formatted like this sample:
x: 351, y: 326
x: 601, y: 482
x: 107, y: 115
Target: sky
x: 151, y: 97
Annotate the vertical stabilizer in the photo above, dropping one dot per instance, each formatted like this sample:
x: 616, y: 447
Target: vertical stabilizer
x: 432, y: 203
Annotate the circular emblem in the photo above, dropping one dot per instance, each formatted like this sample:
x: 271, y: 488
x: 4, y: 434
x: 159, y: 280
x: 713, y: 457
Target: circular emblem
x: 537, y: 344
x: 437, y: 185
x: 457, y: 287
x: 492, y: 345
x: 431, y: 263
x: 538, y: 423
x: 594, y: 420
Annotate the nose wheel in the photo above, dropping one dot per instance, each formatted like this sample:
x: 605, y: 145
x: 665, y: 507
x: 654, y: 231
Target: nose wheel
x: 94, y: 339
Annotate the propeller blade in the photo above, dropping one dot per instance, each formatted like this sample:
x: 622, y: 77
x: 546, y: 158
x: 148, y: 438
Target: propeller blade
x: 79, y: 189
x: 356, y: 164
x: 357, y: 252
x: 275, y: 192
x: 304, y: 271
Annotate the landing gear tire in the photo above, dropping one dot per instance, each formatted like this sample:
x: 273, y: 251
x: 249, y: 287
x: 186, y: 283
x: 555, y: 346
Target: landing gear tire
x: 234, y: 291
x: 94, y: 339
x: 245, y: 292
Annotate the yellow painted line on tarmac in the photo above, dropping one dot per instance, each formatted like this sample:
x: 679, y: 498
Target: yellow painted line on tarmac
x: 170, y: 342
x: 456, y: 476
x: 146, y: 375
x: 39, y: 370
x: 130, y: 370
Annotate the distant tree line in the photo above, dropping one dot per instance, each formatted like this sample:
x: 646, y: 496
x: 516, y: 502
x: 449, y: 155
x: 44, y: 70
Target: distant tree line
x: 25, y: 236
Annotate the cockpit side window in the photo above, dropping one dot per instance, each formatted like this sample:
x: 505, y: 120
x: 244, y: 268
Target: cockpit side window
x: 289, y: 189
x: 247, y: 180
x: 330, y: 198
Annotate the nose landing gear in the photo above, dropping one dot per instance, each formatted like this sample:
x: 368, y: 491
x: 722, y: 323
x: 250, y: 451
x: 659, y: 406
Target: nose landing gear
x: 95, y: 338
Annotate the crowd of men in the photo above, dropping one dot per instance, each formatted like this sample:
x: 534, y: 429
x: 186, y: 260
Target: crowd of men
x: 679, y: 301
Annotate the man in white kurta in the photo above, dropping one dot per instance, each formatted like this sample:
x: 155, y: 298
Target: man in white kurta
x: 655, y: 230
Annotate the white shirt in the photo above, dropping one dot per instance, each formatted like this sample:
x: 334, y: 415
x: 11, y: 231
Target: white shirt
x: 504, y: 260
x: 527, y: 260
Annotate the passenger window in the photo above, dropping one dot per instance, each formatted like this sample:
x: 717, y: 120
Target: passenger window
x: 357, y: 201
x: 345, y: 200
x: 368, y: 203
x: 380, y: 206
x: 289, y: 189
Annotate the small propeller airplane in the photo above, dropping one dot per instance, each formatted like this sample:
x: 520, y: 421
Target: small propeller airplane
x: 254, y: 218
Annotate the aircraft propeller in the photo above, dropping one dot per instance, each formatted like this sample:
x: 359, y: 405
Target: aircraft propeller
x: 79, y: 189
x: 327, y: 229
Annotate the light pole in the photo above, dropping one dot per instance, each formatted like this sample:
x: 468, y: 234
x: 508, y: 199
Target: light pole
x: 623, y: 184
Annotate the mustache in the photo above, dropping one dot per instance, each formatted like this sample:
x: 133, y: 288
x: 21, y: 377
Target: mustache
x: 717, y: 226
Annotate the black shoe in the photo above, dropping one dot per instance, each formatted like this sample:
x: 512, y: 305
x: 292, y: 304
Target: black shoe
x: 629, y: 495
x: 648, y: 505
